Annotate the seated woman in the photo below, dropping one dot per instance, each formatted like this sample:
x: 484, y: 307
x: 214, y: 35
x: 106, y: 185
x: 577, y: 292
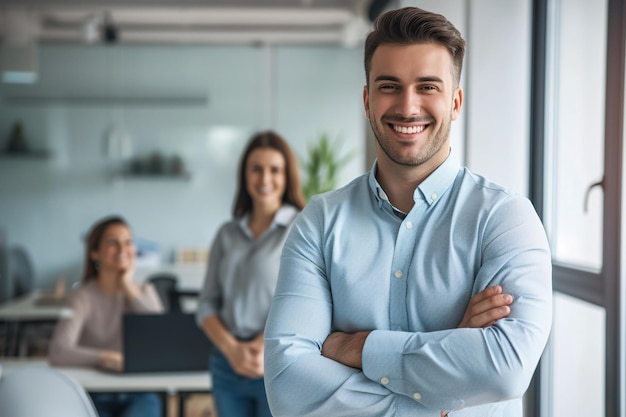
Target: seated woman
x: 92, y: 335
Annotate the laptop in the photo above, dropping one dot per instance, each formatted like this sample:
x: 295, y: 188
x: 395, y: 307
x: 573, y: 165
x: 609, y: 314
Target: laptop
x: 169, y: 342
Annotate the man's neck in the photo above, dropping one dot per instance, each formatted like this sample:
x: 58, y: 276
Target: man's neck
x: 399, y: 181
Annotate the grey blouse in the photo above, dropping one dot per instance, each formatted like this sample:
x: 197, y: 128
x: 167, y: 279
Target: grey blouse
x: 242, y: 272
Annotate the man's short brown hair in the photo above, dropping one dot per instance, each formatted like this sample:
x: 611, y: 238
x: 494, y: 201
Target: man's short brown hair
x: 411, y: 25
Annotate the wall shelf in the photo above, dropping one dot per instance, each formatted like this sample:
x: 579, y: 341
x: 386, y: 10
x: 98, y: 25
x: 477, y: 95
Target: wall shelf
x: 130, y: 176
x: 36, y: 154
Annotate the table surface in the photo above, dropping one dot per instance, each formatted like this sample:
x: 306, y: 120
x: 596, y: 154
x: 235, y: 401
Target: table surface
x: 25, y: 308
x: 94, y: 380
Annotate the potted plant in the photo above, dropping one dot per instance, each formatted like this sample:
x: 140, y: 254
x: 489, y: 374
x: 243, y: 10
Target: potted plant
x: 321, y: 166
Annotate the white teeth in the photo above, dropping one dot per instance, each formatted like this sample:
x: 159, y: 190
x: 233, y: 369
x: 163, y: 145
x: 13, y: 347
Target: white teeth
x: 410, y: 129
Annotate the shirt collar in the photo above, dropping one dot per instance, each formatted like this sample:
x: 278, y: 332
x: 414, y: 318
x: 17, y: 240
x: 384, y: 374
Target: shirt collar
x: 433, y: 186
x: 430, y: 190
x: 375, y: 187
x: 283, y: 217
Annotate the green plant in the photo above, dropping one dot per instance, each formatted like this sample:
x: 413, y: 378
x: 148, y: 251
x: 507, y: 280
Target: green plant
x: 321, y: 166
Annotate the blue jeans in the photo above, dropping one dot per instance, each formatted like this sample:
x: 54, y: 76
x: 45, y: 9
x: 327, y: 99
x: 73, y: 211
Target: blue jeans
x: 127, y: 404
x: 236, y: 395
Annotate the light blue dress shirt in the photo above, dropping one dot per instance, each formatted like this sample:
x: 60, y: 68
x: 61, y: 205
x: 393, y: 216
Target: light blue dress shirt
x: 242, y: 273
x: 352, y: 263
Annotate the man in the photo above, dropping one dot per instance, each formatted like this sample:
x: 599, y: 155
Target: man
x: 420, y: 288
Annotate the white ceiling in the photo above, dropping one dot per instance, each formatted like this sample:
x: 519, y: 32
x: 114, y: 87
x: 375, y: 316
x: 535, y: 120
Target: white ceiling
x: 338, y: 22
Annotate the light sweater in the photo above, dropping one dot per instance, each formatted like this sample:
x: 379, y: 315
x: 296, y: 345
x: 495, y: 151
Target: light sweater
x: 95, y: 324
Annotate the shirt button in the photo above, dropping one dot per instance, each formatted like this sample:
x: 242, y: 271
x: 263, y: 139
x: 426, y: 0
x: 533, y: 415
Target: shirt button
x: 433, y: 196
x: 398, y: 274
x: 382, y: 195
x: 409, y: 225
x: 384, y: 380
x: 417, y: 396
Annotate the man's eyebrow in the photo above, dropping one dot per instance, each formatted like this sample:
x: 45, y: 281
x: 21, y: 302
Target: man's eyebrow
x: 431, y: 79
x: 386, y: 78
x: 419, y: 79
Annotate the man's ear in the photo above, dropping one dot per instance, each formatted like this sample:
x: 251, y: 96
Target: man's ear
x: 457, y: 102
x: 366, y: 104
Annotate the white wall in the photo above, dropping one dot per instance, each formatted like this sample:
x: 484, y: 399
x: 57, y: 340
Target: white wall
x: 47, y: 205
x: 492, y: 134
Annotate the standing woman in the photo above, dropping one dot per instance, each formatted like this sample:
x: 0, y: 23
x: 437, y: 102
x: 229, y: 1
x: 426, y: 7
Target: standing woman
x: 92, y: 335
x: 242, y: 273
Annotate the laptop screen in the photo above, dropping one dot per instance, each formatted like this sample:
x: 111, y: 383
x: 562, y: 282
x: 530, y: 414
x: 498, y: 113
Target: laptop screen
x: 169, y: 342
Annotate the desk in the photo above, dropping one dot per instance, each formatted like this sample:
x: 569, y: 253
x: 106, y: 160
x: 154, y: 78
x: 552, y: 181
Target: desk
x: 180, y: 384
x: 25, y: 308
x: 25, y: 311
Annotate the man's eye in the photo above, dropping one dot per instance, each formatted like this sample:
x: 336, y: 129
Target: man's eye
x: 388, y: 87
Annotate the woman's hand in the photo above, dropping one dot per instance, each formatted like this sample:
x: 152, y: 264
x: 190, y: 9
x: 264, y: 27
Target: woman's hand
x: 126, y: 275
x: 246, y: 358
x: 112, y: 360
x: 129, y: 287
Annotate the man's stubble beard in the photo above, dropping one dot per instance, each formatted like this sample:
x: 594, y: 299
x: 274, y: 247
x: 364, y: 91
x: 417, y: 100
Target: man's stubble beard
x: 433, y: 145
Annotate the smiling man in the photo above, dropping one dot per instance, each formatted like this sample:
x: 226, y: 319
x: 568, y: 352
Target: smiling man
x: 420, y: 288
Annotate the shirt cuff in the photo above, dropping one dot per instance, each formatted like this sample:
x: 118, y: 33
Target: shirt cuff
x: 382, y: 358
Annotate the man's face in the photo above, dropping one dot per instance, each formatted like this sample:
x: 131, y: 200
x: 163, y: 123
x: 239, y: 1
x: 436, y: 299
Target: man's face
x: 411, y: 101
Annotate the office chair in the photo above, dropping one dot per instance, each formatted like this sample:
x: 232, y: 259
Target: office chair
x: 21, y: 278
x: 166, y: 284
x: 42, y: 391
x: 21, y: 271
x: 17, y: 275
x: 6, y: 287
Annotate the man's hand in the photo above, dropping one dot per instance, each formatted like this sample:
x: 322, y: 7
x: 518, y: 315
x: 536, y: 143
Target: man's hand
x: 483, y: 310
x: 345, y: 348
x: 486, y: 307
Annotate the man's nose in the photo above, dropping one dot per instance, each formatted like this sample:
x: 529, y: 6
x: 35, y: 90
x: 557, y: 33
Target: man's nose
x: 409, y: 103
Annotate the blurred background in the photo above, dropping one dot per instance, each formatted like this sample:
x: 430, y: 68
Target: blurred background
x: 141, y: 108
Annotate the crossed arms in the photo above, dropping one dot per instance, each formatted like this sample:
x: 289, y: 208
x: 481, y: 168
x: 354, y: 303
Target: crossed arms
x: 331, y: 350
